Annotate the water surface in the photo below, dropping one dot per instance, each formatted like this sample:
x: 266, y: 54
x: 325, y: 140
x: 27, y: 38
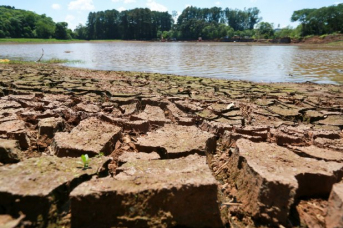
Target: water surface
x: 267, y: 63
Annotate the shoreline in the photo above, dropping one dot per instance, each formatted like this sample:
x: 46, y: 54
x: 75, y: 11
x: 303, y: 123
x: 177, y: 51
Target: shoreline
x: 158, y: 134
x: 59, y: 63
x: 315, y: 41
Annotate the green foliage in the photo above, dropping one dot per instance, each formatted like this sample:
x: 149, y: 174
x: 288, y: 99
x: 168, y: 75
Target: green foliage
x: 50, y: 61
x: 216, y: 23
x: 15, y: 23
x: 81, y: 32
x: 290, y: 32
x: 217, y: 31
x: 61, y: 31
x: 264, y: 30
x: 144, y: 24
x: 101, y: 154
x: 296, y: 33
x: 325, y: 20
x: 34, y: 40
x: 139, y: 23
x: 301, y: 15
x: 85, y: 160
x: 336, y: 44
x: 286, y: 32
x: 57, y: 61
x: 45, y: 28
x: 242, y: 19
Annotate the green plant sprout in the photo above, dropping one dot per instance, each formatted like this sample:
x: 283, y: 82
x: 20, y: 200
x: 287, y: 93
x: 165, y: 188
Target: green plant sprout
x: 101, y: 154
x: 85, y: 160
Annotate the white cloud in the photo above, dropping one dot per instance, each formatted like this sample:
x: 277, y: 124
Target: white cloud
x: 218, y: 3
x: 121, y: 9
x: 153, y: 5
x: 70, y: 19
x: 56, y: 6
x: 81, y: 5
x: 125, y: 1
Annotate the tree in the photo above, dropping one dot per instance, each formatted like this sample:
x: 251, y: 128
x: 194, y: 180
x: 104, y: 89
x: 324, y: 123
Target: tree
x: 285, y: 32
x: 242, y: 19
x: 175, y: 15
x: 24, y: 24
x: 253, y: 17
x: 320, y: 21
x: 301, y: 15
x: 45, y: 28
x: 2, y: 34
x: 264, y: 30
x: 139, y: 23
x: 61, y: 31
x: 81, y: 32
x: 193, y: 22
x: 215, y: 14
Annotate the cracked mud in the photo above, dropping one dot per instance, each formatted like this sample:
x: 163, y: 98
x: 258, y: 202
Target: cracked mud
x: 167, y: 150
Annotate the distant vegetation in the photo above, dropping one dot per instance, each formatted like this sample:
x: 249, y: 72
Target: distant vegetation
x: 209, y: 23
x: 15, y: 23
x: 321, y: 21
x: 36, y: 40
x: 143, y: 24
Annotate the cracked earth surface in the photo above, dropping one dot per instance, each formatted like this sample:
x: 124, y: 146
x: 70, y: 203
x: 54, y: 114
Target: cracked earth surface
x: 167, y: 150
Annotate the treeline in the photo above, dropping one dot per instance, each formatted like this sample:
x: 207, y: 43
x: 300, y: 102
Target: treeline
x: 321, y: 21
x: 142, y: 24
x: 17, y: 23
x: 208, y: 23
x: 214, y: 23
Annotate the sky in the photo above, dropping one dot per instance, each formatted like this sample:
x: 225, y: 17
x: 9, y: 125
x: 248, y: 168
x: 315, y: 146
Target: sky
x: 75, y: 12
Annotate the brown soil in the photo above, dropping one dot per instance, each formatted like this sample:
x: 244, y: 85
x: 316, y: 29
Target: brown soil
x: 320, y: 39
x: 179, y: 151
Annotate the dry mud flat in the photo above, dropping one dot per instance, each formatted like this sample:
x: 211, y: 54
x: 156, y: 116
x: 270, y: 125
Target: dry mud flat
x: 167, y: 151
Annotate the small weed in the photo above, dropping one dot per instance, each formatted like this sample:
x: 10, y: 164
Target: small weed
x: 85, y: 160
x: 306, y: 119
x: 101, y: 154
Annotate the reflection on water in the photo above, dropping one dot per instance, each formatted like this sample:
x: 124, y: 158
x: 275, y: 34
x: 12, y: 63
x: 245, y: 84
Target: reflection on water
x: 268, y: 63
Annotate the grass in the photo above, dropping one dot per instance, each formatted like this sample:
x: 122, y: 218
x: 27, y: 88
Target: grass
x: 29, y: 40
x: 56, y: 61
x: 50, y: 61
x: 309, y: 36
x: 34, y: 40
x: 3, y: 61
x: 336, y: 43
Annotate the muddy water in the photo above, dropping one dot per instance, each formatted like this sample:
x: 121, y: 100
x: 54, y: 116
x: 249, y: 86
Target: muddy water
x: 267, y: 63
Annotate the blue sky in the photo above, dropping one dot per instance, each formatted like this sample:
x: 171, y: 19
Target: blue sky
x: 76, y: 11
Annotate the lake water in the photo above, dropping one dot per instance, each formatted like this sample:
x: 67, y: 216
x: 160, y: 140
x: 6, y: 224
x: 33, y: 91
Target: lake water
x: 237, y: 61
